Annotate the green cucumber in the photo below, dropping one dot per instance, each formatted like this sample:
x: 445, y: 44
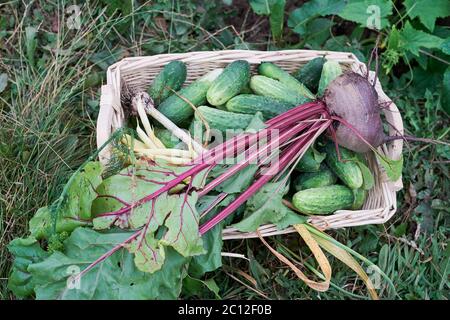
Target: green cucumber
x: 229, y: 83
x: 330, y: 71
x: 323, y: 200
x: 347, y: 170
x: 273, y: 71
x: 222, y: 120
x: 246, y: 89
x: 309, y: 74
x: 167, y: 138
x: 177, y: 109
x: 265, y: 86
x: 359, y: 198
x: 311, y: 160
x: 323, y: 177
x: 172, y: 76
x: 252, y: 103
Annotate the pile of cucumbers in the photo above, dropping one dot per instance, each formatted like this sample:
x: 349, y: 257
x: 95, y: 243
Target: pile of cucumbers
x: 324, y: 183
x: 229, y: 98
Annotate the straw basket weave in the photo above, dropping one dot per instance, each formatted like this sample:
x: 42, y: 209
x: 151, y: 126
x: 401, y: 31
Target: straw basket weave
x: 137, y: 73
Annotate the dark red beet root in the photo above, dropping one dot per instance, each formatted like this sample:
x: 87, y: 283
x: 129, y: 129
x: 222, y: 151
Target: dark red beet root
x: 352, y: 98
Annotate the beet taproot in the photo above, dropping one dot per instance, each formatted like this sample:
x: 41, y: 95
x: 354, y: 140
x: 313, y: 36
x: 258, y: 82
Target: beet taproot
x: 353, y: 98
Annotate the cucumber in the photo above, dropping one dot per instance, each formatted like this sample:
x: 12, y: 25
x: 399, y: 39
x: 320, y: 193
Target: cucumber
x: 330, y: 71
x: 265, y: 86
x: 359, y: 198
x: 311, y: 160
x: 197, y: 131
x: 229, y: 83
x: 271, y: 70
x: 167, y: 138
x: 177, y: 109
x: 171, y: 76
x: 323, y: 200
x: 252, y: 103
x: 323, y: 177
x: 246, y: 89
x: 223, y: 120
x: 347, y: 170
x: 309, y: 74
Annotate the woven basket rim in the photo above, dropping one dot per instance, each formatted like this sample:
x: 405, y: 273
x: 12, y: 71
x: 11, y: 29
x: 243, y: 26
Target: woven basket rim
x: 111, y: 117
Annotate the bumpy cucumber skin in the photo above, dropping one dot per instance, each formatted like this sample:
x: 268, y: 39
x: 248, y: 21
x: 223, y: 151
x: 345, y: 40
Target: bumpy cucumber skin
x: 177, y: 109
x: 310, y: 162
x: 323, y: 200
x: 322, y: 178
x: 309, y: 74
x: 359, y: 198
x: 223, y: 120
x: 252, y: 103
x: 167, y: 138
x: 172, y: 76
x: 229, y: 83
x: 330, y: 71
x: 273, y: 71
x: 348, y: 171
x: 268, y: 87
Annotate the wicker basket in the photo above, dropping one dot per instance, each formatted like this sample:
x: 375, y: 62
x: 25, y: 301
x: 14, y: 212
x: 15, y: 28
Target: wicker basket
x: 138, y: 73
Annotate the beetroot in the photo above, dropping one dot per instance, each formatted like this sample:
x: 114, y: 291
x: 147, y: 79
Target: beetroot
x: 351, y: 97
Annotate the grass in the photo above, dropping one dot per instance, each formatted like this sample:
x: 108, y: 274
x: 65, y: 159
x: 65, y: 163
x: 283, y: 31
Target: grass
x: 48, y: 112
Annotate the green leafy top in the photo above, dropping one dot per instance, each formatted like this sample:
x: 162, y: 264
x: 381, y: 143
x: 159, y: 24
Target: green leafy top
x: 300, y: 17
x: 73, y: 208
x: 266, y: 207
x: 169, y: 220
x: 59, y: 277
x: 427, y: 10
x: 372, y: 14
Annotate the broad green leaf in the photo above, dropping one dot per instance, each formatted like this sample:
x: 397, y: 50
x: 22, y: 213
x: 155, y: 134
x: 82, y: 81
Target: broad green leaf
x: 193, y: 287
x: 290, y: 219
x: 114, y: 278
x: 371, y: 14
x: 300, y: 17
x: 25, y: 251
x: 240, y: 181
x: 275, y: 10
x: 393, y: 168
x: 212, y: 259
x: 73, y: 208
x: 212, y: 240
x: 445, y: 47
x: 276, y: 19
x: 318, y: 32
x: 311, y: 160
x: 170, y: 220
x: 427, y: 10
x: 412, y: 40
x: 265, y: 206
x: 262, y: 7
